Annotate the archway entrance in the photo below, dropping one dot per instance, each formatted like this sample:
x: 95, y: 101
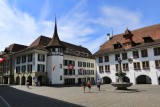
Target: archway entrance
x: 5, y: 80
x: 159, y: 80
x: 41, y: 80
x: 23, y: 80
x: 106, y: 80
x: 17, y: 80
x: 30, y: 80
x: 143, y: 79
x: 126, y: 79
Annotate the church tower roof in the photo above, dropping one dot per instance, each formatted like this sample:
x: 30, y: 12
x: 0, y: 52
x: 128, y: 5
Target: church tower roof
x: 55, y: 41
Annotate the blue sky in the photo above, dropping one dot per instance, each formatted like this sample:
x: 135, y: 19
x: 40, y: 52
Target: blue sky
x: 81, y: 22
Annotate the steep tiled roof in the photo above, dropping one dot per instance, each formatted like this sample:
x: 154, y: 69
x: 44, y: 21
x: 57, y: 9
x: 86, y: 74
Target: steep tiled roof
x: 11, y: 49
x: 41, y: 40
x: 138, y: 34
x: 76, y: 48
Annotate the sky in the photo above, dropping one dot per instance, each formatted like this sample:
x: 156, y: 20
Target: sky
x: 80, y: 22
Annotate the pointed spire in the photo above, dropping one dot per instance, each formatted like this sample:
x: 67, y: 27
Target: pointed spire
x: 55, y: 27
x: 55, y: 42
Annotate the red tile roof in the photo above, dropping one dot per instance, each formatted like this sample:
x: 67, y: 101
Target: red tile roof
x: 138, y: 34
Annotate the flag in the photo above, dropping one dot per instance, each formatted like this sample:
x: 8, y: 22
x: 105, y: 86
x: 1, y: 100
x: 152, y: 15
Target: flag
x: 1, y: 60
x: 70, y: 66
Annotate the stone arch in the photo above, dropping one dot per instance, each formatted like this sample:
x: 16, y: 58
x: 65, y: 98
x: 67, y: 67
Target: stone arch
x: 126, y: 79
x: 106, y: 80
x: 23, y: 80
x: 41, y: 80
x: 17, y: 80
x: 30, y: 79
x: 143, y: 79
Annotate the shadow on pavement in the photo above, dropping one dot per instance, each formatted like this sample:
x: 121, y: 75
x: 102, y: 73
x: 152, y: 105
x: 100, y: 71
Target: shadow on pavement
x: 128, y: 91
x: 19, y: 98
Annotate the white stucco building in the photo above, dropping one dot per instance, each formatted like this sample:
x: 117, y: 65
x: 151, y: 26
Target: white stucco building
x: 140, y: 53
x: 50, y: 61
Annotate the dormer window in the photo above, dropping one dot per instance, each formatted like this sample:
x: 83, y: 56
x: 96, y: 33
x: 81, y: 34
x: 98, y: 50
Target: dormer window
x: 147, y: 39
x: 117, y: 46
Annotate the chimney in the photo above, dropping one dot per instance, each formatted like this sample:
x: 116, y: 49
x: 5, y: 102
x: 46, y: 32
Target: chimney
x: 108, y: 34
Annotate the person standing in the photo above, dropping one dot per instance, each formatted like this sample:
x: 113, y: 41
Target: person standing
x: 89, y: 85
x: 99, y: 84
x: 83, y: 85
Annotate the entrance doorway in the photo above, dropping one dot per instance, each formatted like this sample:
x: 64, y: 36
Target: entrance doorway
x: 143, y: 79
x: 23, y: 80
x: 106, y: 80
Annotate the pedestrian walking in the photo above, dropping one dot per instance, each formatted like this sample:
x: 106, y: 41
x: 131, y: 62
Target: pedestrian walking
x: 98, y: 84
x: 27, y: 83
x: 83, y: 85
x: 89, y: 85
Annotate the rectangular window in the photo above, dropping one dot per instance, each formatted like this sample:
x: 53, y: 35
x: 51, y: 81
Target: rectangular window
x: 80, y: 71
x: 41, y: 57
x: 100, y: 59
x: 157, y: 64
x: 65, y: 71
x: 144, y: 53
x: 135, y: 54
x: 61, y: 66
x: 23, y: 68
x: 124, y: 56
x: 107, y: 68
x: 88, y: 64
x: 106, y: 58
x: 84, y: 64
x: 18, y: 69
x: 70, y: 71
x: 101, y: 69
x: 156, y: 51
x: 41, y: 68
x: 125, y: 67
x: 29, y: 67
x: 71, y: 62
x: 145, y: 65
x: 23, y: 58
x: 92, y: 65
x: 18, y: 60
x: 79, y: 64
x: 29, y: 57
x: 137, y: 66
x: 117, y: 67
x: 65, y: 62
x: 61, y: 77
x: 117, y: 56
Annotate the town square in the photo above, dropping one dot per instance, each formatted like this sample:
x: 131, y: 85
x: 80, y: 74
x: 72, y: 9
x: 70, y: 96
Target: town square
x: 135, y: 96
x: 79, y: 53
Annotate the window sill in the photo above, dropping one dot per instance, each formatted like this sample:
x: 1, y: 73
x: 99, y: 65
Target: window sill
x: 137, y: 69
x: 146, y: 68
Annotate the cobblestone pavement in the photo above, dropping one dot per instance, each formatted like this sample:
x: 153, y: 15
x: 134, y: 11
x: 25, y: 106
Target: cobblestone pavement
x: 135, y: 96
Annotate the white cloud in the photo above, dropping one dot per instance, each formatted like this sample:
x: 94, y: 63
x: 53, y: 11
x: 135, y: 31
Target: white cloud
x: 20, y: 27
x: 119, y: 18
